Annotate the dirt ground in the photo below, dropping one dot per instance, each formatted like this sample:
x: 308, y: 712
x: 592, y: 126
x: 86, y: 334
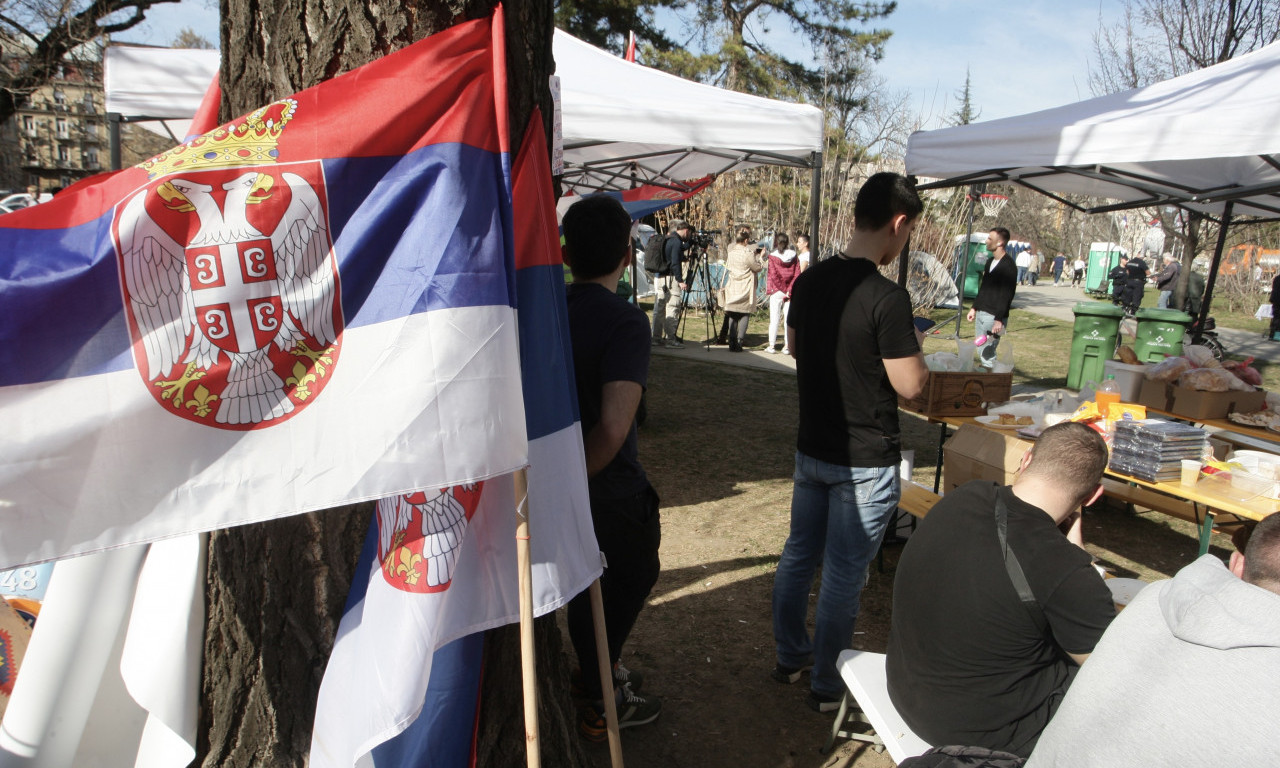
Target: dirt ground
x: 718, y: 444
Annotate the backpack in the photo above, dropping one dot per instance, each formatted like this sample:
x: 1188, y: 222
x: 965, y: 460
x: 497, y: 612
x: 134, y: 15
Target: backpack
x: 655, y: 254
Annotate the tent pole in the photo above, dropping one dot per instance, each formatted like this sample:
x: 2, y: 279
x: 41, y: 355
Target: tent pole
x: 113, y: 129
x: 1213, y: 268
x: 964, y: 260
x: 815, y: 203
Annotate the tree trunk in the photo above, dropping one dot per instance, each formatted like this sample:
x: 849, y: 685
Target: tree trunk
x: 276, y: 590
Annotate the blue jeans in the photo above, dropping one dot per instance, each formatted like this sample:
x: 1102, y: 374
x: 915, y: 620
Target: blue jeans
x: 838, y: 517
x: 982, y: 322
x: 1166, y: 298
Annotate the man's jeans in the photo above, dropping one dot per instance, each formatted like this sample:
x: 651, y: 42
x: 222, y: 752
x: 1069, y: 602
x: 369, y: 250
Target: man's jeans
x: 982, y: 323
x: 838, y: 517
x: 667, y: 303
x: 1166, y: 298
x: 1022, y: 275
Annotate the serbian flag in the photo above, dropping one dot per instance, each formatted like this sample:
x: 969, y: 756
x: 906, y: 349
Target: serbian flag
x: 438, y: 567
x: 310, y: 306
x: 647, y: 199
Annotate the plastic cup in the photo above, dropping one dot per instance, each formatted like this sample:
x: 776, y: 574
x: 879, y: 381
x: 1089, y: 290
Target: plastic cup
x: 1190, y: 471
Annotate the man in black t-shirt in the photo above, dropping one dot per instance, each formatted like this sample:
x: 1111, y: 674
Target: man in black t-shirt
x: 611, y: 365
x: 850, y: 330
x: 969, y: 663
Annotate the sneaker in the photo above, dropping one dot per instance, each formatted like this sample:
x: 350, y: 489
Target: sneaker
x: 771, y: 351
x: 624, y: 676
x: 789, y: 674
x: 657, y: 342
x: 633, y: 710
x: 786, y: 351
x: 621, y: 676
x: 673, y: 344
x: 820, y: 702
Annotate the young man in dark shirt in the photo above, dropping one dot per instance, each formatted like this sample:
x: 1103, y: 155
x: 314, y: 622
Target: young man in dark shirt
x: 969, y: 663
x: 850, y: 330
x: 611, y: 366
x: 990, y: 310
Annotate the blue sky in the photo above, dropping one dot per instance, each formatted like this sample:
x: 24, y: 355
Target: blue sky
x: 1023, y: 55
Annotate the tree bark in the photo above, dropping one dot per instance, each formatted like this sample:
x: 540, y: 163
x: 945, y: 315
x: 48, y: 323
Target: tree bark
x: 276, y: 590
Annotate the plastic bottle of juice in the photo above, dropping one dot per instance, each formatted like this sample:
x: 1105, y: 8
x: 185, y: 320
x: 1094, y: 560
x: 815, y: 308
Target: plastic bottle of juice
x: 1108, y: 393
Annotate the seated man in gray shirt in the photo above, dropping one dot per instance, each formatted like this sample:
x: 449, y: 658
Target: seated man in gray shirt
x: 1188, y: 674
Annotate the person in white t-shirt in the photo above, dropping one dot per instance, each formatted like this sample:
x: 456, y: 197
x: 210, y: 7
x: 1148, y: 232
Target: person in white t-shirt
x: 1077, y: 272
x: 802, y: 250
x: 1023, y: 262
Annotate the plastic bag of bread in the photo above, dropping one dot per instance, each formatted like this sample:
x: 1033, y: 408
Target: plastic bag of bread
x: 1207, y: 380
x: 1200, y: 357
x: 1127, y: 355
x: 1168, y: 369
x: 1244, y: 371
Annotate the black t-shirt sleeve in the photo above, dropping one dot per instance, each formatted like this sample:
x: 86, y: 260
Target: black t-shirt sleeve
x: 895, y: 330
x: 1080, y: 610
x: 626, y: 356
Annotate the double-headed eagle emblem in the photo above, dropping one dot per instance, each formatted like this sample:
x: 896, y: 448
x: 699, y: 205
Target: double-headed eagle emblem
x: 232, y: 289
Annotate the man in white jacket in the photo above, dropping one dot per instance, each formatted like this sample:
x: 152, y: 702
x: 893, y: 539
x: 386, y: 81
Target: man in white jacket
x: 1188, y: 674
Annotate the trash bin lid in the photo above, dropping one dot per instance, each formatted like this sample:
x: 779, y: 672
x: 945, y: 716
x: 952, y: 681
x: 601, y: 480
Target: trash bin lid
x: 1169, y: 315
x: 1098, y: 308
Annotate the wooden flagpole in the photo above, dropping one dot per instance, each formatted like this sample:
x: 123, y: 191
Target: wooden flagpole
x: 606, y: 674
x: 528, y: 662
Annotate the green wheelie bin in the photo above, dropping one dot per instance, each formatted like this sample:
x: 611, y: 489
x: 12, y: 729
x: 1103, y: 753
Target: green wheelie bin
x: 1160, y: 333
x: 1093, y: 341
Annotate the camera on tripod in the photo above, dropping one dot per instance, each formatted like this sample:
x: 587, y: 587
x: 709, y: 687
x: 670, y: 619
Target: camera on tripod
x: 705, y: 238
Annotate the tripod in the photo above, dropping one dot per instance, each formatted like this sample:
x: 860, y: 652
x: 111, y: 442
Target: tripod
x: 700, y: 270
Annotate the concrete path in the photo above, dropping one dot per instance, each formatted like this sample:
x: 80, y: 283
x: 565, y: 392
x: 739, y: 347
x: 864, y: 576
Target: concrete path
x: 759, y: 359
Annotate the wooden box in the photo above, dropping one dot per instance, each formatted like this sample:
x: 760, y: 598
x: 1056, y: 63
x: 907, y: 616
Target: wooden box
x: 957, y: 393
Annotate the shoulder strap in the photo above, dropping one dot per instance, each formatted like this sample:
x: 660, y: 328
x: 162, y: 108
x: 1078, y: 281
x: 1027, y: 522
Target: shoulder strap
x: 1014, y: 568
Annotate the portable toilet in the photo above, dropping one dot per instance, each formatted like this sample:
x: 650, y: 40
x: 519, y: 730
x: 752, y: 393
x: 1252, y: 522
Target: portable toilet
x: 1102, y: 258
x: 978, y: 255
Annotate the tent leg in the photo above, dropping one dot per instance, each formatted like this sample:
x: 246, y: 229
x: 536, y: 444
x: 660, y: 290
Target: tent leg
x: 1213, y: 268
x: 815, y: 203
x: 113, y: 128
x: 974, y: 191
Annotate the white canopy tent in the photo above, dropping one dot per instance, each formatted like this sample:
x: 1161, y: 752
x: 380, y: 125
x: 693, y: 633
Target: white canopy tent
x: 157, y: 84
x: 1206, y: 142
x: 625, y: 124
x: 1196, y: 141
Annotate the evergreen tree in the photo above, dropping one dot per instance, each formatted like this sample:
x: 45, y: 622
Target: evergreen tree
x: 965, y: 113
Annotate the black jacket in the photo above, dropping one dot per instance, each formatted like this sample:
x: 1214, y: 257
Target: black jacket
x: 995, y: 294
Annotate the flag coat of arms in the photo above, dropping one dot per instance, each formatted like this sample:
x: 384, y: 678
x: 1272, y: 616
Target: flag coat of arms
x: 309, y: 306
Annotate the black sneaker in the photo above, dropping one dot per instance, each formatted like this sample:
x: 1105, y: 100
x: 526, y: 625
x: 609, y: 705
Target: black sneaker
x: 820, y: 702
x: 633, y: 710
x: 621, y: 676
x: 789, y: 674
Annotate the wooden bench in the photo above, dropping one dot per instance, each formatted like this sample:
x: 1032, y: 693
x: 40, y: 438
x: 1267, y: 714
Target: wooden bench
x: 866, y: 703
x: 917, y: 500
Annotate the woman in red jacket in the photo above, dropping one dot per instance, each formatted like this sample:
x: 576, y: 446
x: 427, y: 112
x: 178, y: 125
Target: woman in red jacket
x: 784, y: 267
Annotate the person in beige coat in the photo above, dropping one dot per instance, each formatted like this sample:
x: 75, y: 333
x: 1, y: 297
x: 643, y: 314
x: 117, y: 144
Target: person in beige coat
x: 743, y: 261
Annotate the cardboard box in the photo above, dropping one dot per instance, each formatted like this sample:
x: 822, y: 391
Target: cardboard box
x: 956, y: 393
x: 1194, y: 404
x: 977, y: 453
